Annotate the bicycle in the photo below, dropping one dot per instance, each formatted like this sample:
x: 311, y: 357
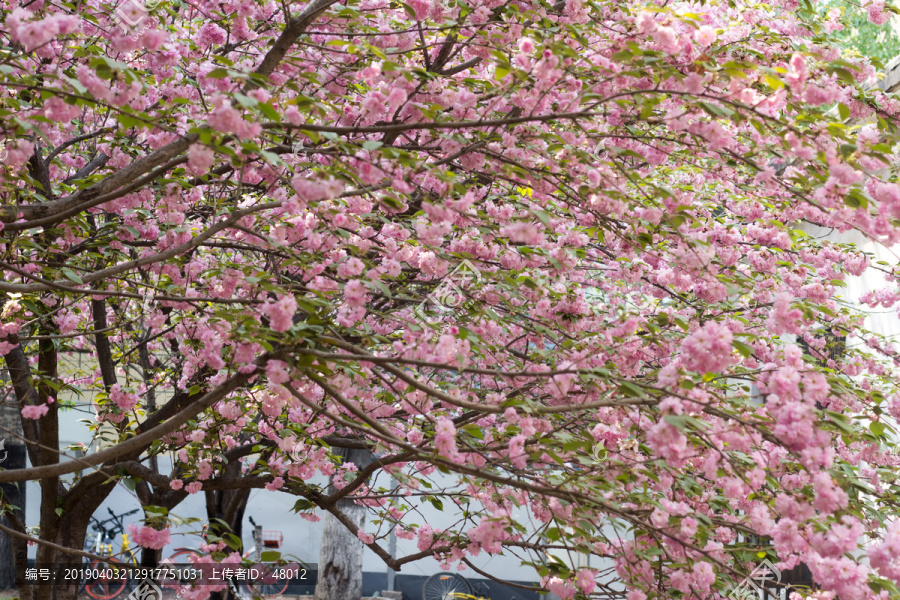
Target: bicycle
x: 270, y: 585
x: 106, y: 585
x: 452, y: 586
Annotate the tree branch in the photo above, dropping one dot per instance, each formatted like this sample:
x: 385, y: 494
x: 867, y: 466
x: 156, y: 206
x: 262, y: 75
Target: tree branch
x: 140, y: 441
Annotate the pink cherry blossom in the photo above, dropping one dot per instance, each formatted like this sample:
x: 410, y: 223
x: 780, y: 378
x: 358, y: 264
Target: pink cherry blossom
x: 123, y: 399
x: 708, y: 349
x: 34, y: 411
x: 148, y: 537
x: 445, y: 439
x: 280, y: 312
x: 610, y: 283
x: 705, y: 36
x: 200, y: 158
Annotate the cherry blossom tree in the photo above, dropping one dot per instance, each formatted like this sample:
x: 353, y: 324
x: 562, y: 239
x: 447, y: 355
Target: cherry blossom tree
x: 558, y: 252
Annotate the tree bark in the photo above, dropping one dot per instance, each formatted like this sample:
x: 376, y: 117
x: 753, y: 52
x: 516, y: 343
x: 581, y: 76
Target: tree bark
x: 12, y: 551
x: 227, y: 506
x: 340, y: 557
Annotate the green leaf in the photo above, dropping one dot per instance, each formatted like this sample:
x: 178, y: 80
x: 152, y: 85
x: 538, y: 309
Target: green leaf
x: 840, y: 421
x: 303, y: 504
x: 127, y: 121
x: 679, y: 421
x: 876, y: 427
x: 856, y: 198
x: 384, y: 289
x: 843, y: 74
x: 474, y: 430
x: 270, y: 556
x: 845, y: 112
x: 543, y: 215
x: 155, y: 511
x: 266, y: 109
x: 745, y: 350
x: 72, y: 275
x: 246, y: 101
x: 271, y: 158
x: 716, y: 110
x: 631, y: 390
x: 75, y: 84
x: 773, y: 82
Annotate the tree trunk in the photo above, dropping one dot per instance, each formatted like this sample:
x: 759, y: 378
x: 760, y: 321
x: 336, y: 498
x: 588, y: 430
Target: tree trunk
x: 72, y: 534
x: 340, y: 557
x: 227, y: 506
x: 12, y: 456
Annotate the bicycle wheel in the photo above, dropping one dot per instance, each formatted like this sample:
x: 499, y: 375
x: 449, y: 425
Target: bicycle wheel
x: 182, y: 556
x: 101, y: 582
x: 270, y: 584
x: 444, y: 586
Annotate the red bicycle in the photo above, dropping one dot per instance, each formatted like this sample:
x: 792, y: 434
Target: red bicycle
x: 106, y: 579
x: 271, y: 583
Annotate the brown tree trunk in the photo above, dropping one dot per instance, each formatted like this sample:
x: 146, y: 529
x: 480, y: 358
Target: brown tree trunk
x: 72, y: 533
x: 340, y: 557
x: 227, y: 506
x: 64, y: 514
x: 13, y: 552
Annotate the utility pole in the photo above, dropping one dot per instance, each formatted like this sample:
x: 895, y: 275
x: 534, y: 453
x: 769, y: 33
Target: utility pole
x: 341, y: 553
x: 392, y: 549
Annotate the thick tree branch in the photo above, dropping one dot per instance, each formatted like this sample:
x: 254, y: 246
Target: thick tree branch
x: 104, y: 352
x: 49, y: 212
x: 294, y: 29
x: 140, y: 441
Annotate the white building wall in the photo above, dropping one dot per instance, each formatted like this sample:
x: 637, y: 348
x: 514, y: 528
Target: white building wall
x: 273, y: 511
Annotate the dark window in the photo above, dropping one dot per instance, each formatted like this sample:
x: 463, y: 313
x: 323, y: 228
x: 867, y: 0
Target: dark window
x: 835, y: 345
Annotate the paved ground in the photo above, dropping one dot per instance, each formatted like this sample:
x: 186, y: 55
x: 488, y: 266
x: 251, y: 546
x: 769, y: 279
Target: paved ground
x: 167, y: 595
